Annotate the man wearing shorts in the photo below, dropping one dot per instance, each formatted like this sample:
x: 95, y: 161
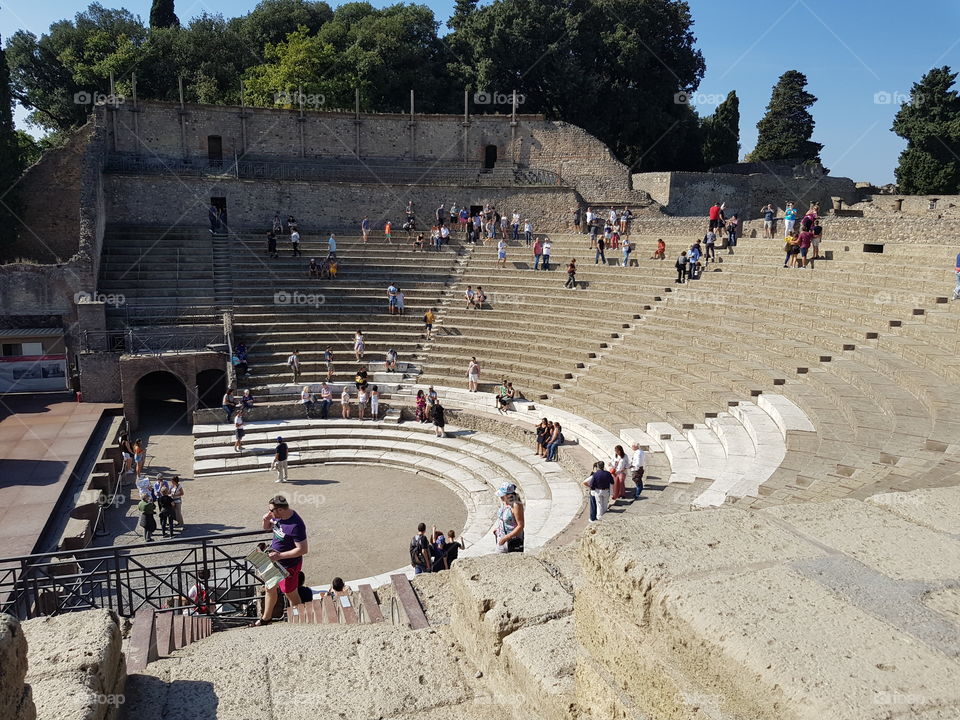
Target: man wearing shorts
x: 392, y: 299
x: 287, y: 549
x: 637, y: 463
x: 769, y: 213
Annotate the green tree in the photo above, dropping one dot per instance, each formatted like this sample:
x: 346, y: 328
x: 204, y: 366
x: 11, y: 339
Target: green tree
x: 272, y: 20
x: 162, y: 14
x: 385, y: 53
x: 786, y: 128
x: 11, y: 160
x: 54, y: 75
x: 594, y: 63
x: 721, y: 133
x: 930, y: 123
x: 462, y: 9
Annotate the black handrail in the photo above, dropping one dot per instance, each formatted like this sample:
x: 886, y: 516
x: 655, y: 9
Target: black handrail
x: 123, y: 579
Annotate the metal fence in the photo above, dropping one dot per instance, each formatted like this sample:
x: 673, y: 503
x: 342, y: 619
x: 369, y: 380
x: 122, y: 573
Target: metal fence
x: 377, y: 171
x: 124, y: 579
x: 145, y: 342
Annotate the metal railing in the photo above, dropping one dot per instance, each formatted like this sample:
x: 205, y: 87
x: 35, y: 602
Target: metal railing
x: 376, y: 170
x: 124, y: 579
x: 142, y: 342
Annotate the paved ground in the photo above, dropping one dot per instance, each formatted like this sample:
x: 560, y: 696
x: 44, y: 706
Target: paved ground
x: 359, y: 518
x: 42, y: 437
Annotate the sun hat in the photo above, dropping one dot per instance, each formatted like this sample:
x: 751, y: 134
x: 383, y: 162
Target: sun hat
x: 506, y: 489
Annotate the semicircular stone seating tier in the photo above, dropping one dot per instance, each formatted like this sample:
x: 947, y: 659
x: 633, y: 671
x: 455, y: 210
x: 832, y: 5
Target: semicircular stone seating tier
x: 472, y: 464
x: 729, y: 455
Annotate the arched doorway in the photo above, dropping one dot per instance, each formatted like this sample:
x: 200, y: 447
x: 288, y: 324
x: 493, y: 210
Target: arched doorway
x: 211, y: 385
x: 489, y: 157
x: 161, y: 400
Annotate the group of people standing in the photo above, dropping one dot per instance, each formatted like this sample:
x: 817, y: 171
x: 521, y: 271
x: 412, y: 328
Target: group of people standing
x: 607, y: 483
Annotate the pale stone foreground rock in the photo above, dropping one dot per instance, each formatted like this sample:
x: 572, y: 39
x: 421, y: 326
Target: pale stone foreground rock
x: 314, y: 672
x: 76, y: 665
x: 840, y: 610
x: 16, y: 702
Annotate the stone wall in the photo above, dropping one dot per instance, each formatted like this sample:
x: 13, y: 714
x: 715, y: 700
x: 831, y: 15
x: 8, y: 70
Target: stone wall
x: 100, y: 377
x: 688, y: 193
x: 927, y: 207
x: 76, y: 665
x: 583, y: 162
x: 16, y: 697
x: 319, y: 207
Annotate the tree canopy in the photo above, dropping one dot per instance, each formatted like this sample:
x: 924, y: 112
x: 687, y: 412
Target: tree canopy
x: 162, y: 14
x: 930, y: 123
x: 721, y: 133
x: 786, y: 128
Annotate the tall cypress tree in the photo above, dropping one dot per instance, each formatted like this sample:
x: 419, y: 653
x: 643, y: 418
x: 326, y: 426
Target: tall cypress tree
x: 11, y: 162
x: 162, y: 14
x: 930, y: 123
x: 787, y: 127
x: 721, y: 133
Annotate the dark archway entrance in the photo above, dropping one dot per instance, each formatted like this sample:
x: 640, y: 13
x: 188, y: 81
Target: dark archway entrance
x: 489, y: 157
x: 161, y: 400
x: 211, y: 385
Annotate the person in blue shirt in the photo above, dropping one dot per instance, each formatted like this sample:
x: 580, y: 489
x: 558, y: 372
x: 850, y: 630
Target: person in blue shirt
x: 332, y: 244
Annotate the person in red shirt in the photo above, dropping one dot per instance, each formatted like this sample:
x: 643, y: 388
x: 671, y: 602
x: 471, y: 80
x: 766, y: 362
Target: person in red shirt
x: 715, y: 216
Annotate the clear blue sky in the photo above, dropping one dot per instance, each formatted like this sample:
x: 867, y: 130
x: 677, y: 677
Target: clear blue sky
x: 850, y: 50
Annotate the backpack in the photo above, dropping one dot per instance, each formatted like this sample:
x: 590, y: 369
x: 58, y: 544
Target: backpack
x: 416, y: 551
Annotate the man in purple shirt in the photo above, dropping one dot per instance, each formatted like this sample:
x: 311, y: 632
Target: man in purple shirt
x: 287, y: 549
x: 805, y: 237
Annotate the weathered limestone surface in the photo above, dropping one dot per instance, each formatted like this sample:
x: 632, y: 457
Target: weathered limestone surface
x: 16, y: 701
x: 77, y: 668
x: 513, y: 618
x: 839, y: 610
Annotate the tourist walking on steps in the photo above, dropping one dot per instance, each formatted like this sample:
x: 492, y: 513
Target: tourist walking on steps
x: 326, y: 400
x: 502, y: 254
x: 361, y: 402
x: 537, y: 253
x: 429, y: 317
x: 681, y: 266
x: 358, y: 345
x: 508, y: 529
x: 228, y: 404
x: 345, y: 403
x: 387, y: 232
x: 295, y: 243
x: 439, y: 419
x: 365, y: 228
x: 627, y: 249
x: 238, y: 430
x: 272, y: 245
x: 293, y: 362
x: 375, y: 403
x: 287, y: 549
x: 733, y: 227
x: 176, y: 492
x: 571, y: 275
x: 601, y: 244
x: 527, y: 232
x: 709, y: 243
x: 599, y: 484
x: 637, y: 463
x: 421, y: 406
x: 148, y: 521
x: 280, y: 455
x: 618, y: 468
x: 420, y: 551
x: 547, y: 247
x: 473, y: 375
x: 328, y: 361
